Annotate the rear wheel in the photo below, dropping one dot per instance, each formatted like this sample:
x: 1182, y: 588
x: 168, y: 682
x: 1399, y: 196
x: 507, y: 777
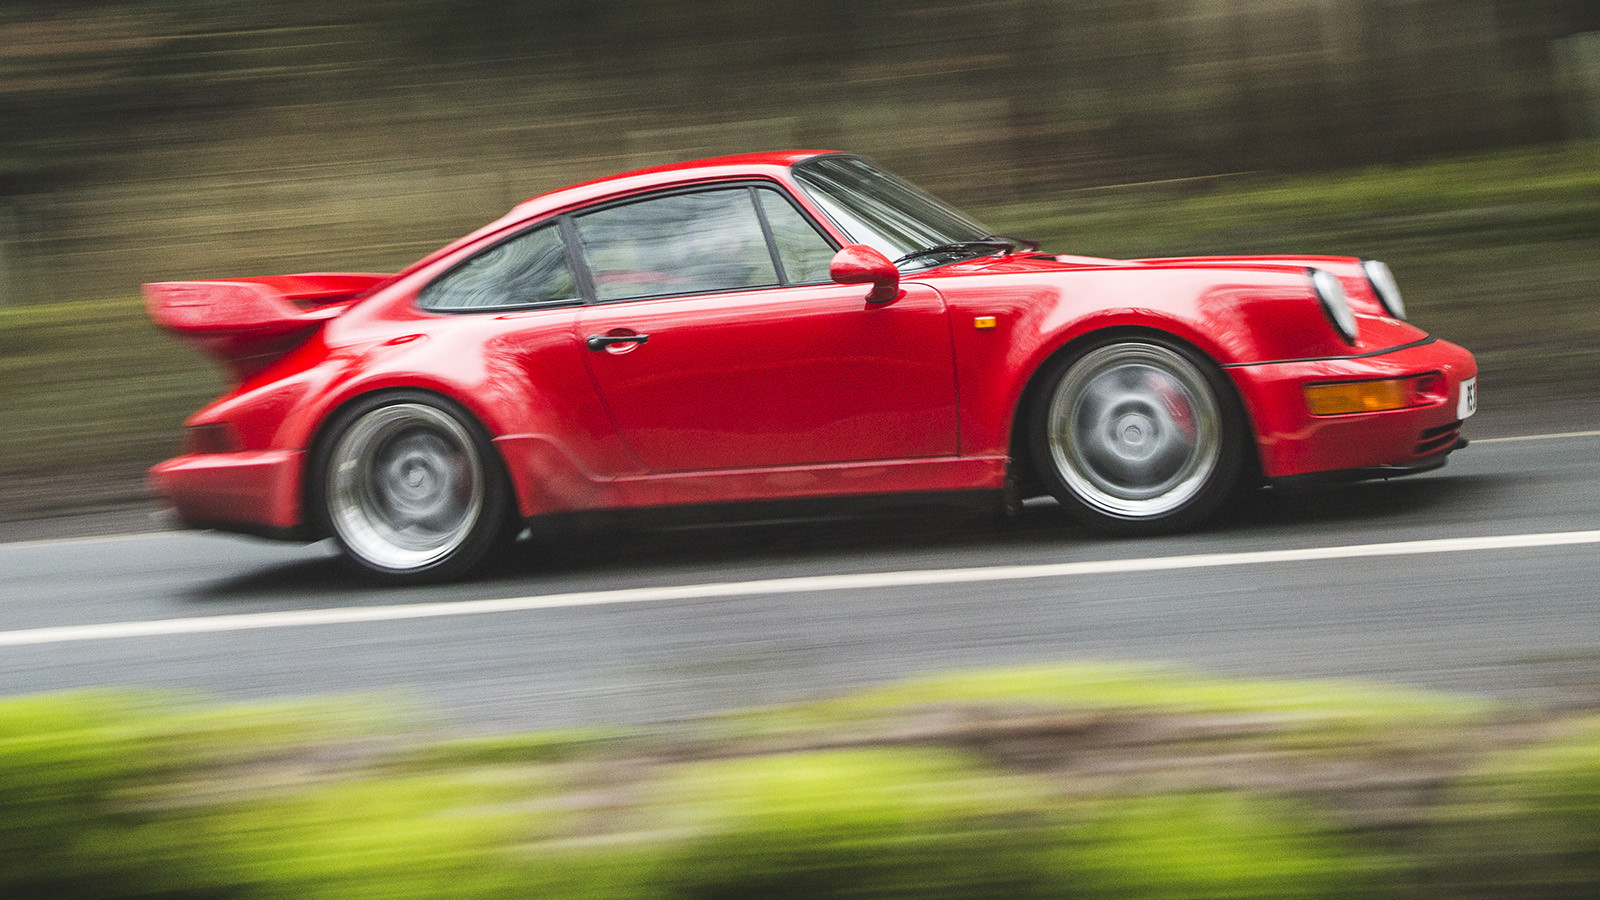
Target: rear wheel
x: 411, y: 489
x: 1137, y: 435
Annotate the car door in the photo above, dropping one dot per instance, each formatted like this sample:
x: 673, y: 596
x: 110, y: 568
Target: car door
x: 718, y: 342
x: 515, y: 348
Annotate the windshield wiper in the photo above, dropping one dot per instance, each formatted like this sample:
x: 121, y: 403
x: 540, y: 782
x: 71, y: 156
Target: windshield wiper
x: 957, y: 246
x: 1015, y: 242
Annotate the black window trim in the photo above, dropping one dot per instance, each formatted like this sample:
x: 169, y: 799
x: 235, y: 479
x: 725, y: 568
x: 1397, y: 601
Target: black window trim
x: 580, y: 266
x: 766, y: 234
x: 578, y: 276
x: 799, y: 170
x: 809, y: 219
x: 572, y: 249
x: 751, y: 185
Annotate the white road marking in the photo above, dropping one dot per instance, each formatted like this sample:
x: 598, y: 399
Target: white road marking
x: 798, y: 585
x: 1535, y: 437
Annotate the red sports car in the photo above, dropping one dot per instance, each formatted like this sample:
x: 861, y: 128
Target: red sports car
x: 783, y: 325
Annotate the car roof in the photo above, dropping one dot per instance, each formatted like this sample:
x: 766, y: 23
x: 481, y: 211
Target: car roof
x: 754, y: 162
x: 742, y: 165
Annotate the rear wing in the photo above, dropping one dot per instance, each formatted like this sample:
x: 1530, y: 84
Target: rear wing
x: 249, y: 323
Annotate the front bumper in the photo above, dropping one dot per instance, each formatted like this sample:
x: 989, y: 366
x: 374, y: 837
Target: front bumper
x: 1293, y: 442
x: 251, y: 492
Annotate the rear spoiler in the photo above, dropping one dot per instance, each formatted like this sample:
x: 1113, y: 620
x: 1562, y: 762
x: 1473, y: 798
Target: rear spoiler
x: 249, y: 323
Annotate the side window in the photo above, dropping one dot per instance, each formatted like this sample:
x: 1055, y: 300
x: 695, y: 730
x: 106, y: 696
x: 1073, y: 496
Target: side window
x: 528, y: 270
x: 679, y: 244
x: 804, y: 252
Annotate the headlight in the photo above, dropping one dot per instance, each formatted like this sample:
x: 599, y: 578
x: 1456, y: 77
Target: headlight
x: 1384, y: 285
x: 1335, y: 303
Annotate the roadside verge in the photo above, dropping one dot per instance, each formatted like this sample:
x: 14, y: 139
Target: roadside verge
x: 1074, y: 780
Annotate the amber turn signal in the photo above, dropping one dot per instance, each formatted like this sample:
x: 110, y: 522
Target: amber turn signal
x: 1345, y: 397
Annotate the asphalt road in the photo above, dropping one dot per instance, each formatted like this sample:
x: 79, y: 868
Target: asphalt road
x: 1518, y: 618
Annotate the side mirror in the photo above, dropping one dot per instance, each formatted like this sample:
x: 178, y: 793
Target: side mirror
x: 860, y: 264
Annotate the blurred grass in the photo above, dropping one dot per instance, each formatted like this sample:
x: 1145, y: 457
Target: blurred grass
x: 123, y: 794
x: 1526, y: 820
x: 1215, y: 845
x: 552, y: 746
x: 1297, y: 708
x: 101, y: 793
x: 90, y: 394
x: 1497, y: 252
x: 856, y: 823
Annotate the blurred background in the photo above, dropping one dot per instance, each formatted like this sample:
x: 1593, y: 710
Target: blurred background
x: 152, y: 140
x: 187, y: 137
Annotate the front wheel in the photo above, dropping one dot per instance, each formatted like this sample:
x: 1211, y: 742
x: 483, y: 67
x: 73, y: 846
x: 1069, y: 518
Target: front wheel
x: 1137, y: 435
x: 411, y: 489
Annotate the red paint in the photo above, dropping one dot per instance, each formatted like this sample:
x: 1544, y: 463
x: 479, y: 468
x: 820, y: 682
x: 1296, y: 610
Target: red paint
x: 860, y: 264
x: 778, y: 377
x: 248, y: 323
x: 769, y: 393
x: 232, y: 489
x: 1294, y: 442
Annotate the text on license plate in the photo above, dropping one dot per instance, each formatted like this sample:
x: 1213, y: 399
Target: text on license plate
x: 1468, y: 404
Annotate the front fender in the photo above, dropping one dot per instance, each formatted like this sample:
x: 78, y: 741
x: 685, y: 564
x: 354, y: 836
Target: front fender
x: 1235, y: 315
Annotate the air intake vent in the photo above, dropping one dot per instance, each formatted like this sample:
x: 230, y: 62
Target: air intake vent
x: 1433, y: 440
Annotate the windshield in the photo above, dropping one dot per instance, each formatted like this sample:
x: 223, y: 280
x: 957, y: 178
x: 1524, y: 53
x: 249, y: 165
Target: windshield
x: 887, y: 214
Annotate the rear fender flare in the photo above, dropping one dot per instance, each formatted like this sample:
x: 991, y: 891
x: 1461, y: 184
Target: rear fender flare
x: 313, y: 518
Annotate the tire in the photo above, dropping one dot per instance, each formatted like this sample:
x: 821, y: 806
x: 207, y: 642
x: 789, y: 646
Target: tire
x: 1137, y: 435
x: 412, y: 490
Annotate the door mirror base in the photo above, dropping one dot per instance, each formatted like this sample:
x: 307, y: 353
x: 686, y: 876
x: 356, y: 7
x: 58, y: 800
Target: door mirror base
x: 860, y: 264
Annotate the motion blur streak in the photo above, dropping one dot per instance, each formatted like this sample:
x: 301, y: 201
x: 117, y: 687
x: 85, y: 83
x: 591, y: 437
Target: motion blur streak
x: 802, y: 585
x: 1535, y: 437
x: 178, y: 138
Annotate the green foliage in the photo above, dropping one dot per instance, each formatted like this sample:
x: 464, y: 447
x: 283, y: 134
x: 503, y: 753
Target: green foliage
x: 119, y: 795
x: 1111, y: 686
x: 85, y: 803
x: 67, y: 827
x: 925, y: 824
x: 1527, y: 822
x: 125, y: 795
x: 554, y: 745
x: 1211, y: 846
x: 866, y: 823
x: 410, y: 838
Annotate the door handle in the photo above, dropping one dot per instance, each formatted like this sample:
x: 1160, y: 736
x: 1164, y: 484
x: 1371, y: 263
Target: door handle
x: 602, y: 341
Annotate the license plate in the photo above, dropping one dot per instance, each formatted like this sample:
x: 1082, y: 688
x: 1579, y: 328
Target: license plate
x: 1468, y: 404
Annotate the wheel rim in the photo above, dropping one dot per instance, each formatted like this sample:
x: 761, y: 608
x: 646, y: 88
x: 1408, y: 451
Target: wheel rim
x: 1134, y: 430
x: 405, y: 486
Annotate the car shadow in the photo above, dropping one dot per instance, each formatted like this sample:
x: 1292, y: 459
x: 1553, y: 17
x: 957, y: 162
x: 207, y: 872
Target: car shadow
x: 633, y: 546
x: 1436, y: 498
x: 299, y: 578
x: 784, y: 540
x: 627, y: 548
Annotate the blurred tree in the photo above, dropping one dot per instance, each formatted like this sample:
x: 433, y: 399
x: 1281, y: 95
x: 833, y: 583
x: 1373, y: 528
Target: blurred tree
x: 143, y: 98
